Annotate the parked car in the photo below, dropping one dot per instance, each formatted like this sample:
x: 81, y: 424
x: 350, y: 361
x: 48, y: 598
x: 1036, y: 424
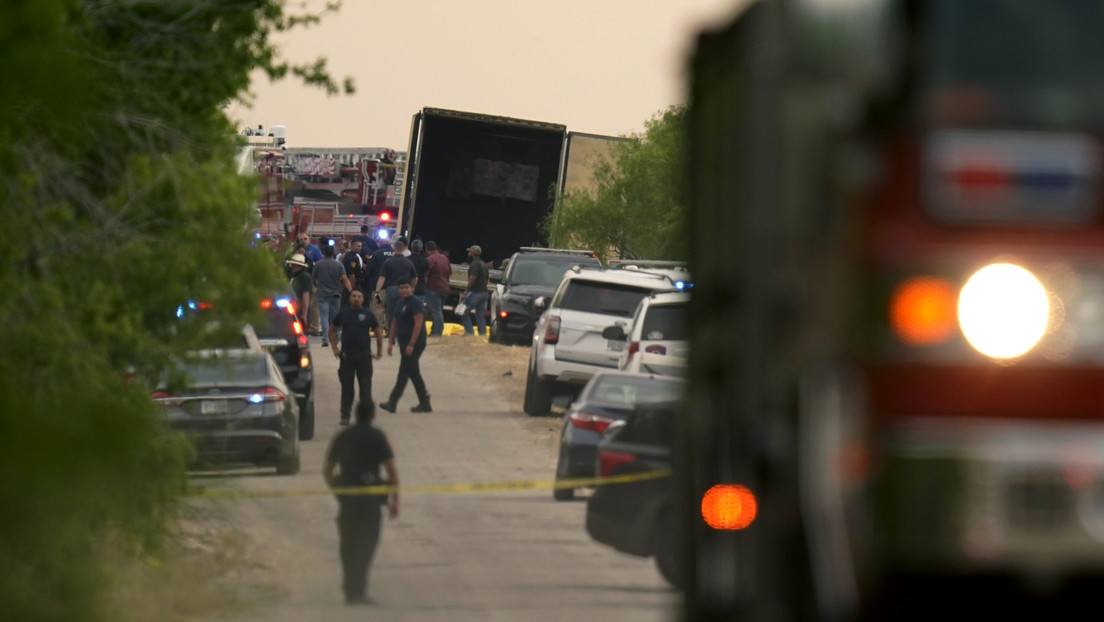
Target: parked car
x: 657, y: 339
x: 636, y: 517
x: 235, y: 407
x: 528, y: 282
x: 608, y: 397
x: 283, y: 336
x: 568, y: 346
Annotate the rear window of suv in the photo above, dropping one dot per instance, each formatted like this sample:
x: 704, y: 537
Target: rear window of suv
x: 604, y: 298
x: 666, y: 322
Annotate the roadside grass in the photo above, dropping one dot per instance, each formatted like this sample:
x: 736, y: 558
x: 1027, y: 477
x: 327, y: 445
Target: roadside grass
x: 184, y: 580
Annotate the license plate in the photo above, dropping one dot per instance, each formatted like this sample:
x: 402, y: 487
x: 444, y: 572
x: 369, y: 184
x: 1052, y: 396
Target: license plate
x: 212, y: 407
x: 615, y: 344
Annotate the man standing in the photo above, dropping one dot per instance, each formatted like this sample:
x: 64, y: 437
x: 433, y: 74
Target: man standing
x: 330, y: 282
x: 408, y: 328
x: 313, y: 255
x: 301, y: 285
x: 378, y: 303
x: 356, y: 324
x: 354, y: 266
x: 476, y: 295
x: 421, y: 265
x: 396, y: 267
x: 437, y: 287
x: 357, y: 454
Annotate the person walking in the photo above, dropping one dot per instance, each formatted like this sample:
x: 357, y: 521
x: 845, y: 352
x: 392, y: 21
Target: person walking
x: 383, y: 252
x: 354, y: 459
x: 302, y: 286
x: 408, y: 328
x: 475, y: 297
x: 394, y: 268
x: 330, y: 281
x: 357, y: 323
x: 437, y: 287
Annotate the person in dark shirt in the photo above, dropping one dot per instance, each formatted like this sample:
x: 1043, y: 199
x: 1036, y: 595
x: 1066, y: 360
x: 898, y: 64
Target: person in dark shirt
x: 377, y: 296
x: 408, y: 328
x: 421, y: 267
x: 396, y: 267
x: 357, y: 324
x: 302, y: 286
x: 354, y: 459
x: 476, y: 294
x: 355, y: 267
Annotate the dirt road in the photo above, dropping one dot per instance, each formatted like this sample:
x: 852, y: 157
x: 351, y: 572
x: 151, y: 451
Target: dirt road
x: 468, y: 556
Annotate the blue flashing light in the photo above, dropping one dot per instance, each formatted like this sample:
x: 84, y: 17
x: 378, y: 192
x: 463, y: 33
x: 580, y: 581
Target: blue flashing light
x: 383, y: 235
x: 256, y: 398
x: 330, y: 242
x: 282, y: 302
x: 680, y: 285
x: 192, y: 305
x: 180, y: 311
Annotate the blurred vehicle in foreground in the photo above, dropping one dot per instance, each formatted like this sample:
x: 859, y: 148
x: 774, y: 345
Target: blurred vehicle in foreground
x: 913, y: 196
x: 609, y: 397
x: 658, y: 338
x: 635, y: 517
x: 235, y: 408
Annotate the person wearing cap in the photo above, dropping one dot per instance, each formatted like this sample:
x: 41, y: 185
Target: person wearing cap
x: 475, y: 297
x: 302, y: 285
x: 394, y: 268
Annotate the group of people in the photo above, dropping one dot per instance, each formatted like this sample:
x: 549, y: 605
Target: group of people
x: 361, y: 298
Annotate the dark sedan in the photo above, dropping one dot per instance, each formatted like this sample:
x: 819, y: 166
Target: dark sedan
x: 635, y: 517
x: 608, y: 396
x: 236, y: 408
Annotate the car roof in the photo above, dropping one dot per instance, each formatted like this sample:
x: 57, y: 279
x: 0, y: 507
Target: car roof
x: 664, y: 298
x: 630, y: 276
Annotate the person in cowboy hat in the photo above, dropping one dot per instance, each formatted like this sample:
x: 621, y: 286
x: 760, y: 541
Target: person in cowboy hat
x: 301, y: 284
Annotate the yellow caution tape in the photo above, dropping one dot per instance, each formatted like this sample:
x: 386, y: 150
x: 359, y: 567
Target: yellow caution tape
x: 429, y: 489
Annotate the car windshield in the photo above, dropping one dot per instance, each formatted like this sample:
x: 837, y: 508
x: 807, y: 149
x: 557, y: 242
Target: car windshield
x: 546, y: 271
x: 665, y: 323
x: 604, y: 298
x: 628, y: 389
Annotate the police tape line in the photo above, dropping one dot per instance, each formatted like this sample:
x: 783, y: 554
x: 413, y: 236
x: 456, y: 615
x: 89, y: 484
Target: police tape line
x: 429, y: 489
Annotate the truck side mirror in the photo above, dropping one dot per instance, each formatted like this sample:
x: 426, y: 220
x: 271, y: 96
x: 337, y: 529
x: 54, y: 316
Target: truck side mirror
x: 615, y: 333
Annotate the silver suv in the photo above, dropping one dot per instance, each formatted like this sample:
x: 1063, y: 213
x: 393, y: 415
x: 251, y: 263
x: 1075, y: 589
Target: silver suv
x: 657, y: 338
x: 568, y: 346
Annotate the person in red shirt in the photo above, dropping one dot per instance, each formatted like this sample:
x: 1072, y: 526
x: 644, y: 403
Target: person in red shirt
x: 437, y: 287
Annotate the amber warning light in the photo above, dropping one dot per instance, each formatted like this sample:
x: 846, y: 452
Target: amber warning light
x: 728, y: 507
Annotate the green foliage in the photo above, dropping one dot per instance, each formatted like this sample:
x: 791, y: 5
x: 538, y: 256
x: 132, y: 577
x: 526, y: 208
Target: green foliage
x: 639, y: 207
x: 120, y: 196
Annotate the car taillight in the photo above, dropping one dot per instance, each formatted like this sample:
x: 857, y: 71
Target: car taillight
x: 167, y: 399
x: 728, y: 507
x: 587, y: 421
x: 304, y: 360
x: 297, y: 327
x: 922, y: 311
x: 634, y: 347
x: 502, y: 314
x: 552, y: 330
x: 269, y: 394
x: 610, y: 460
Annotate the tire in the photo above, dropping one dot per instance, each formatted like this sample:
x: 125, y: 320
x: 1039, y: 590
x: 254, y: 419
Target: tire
x: 538, y: 395
x: 287, y: 465
x: 667, y: 558
x: 306, y: 422
x: 562, y: 494
x: 494, y: 333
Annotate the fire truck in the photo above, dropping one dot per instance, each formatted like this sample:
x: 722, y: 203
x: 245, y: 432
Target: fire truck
x: 897, y: 361
x: 327, y: 193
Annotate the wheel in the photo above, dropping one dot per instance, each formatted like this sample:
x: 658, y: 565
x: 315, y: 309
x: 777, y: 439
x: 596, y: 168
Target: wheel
x: 666, y: 553
x: 306, y: 421
x: 562, y: 494
x: 287, y: 465
x: 538, y: 395
x: 494, y: 332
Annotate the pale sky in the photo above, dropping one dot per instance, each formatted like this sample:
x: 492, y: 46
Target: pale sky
x: 597, y: 66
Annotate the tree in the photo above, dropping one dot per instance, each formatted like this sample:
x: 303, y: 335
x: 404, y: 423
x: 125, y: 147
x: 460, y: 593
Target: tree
x: 120, y: 195
x: 639, y: 205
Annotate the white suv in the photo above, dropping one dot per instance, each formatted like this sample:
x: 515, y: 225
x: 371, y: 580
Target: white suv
x: 657, y: 339
x: 568, y: 346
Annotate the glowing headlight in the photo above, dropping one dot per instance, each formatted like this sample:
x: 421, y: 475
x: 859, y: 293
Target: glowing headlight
x: 1003, y: 310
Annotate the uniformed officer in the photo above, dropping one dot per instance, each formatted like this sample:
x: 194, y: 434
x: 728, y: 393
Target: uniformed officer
x: 357, y: 324
x: 356, y: 454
